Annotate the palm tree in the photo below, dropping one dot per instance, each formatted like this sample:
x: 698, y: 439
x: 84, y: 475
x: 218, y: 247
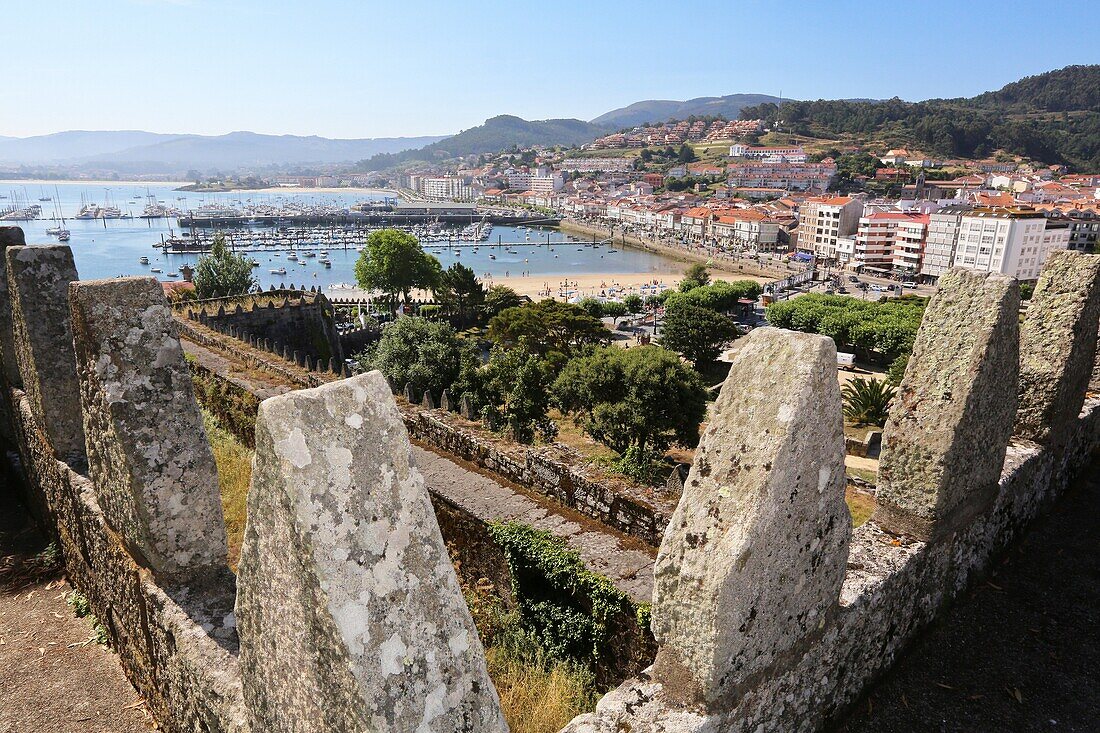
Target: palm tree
x: 867, y: 401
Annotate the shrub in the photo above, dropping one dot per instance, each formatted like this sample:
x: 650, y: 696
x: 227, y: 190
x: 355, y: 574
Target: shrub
x: 867, y: 401
x: 416, y: 351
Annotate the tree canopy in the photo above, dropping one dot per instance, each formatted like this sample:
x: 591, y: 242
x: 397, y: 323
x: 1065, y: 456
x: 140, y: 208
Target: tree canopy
x: 416, y: 351
x: 695, y: 276
x: 719, y: 296
x: 643, y: 398
x: 696, y: 332
x: 222, y: 272
x: 888, y: 327
x: 548, y: 326
x: 394, y: 263
x: 461, y: 294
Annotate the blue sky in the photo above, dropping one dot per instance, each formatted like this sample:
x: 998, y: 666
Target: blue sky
x: 356, y: 68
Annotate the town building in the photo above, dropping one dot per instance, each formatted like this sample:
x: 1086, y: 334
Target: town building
x: 747, y: 228
x: 787, y: 154
x: 1010, y: 240
x: 542, y: 181
x: 943, y: 235
x: 824, y: 218
x: 596, y: 165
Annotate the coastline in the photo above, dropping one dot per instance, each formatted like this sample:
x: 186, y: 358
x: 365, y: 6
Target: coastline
x: 176, y: 184
x: 718, y: 265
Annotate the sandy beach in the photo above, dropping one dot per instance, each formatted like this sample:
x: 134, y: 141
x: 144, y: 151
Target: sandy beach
x: 569, y: 287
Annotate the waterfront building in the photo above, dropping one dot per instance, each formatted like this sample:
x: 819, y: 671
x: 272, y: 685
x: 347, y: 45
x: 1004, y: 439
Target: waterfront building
x: 747, y: 228
x: 824, y: 218
x: 596, y: 165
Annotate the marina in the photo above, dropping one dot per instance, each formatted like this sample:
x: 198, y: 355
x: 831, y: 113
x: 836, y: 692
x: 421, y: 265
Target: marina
x: 114, y: 247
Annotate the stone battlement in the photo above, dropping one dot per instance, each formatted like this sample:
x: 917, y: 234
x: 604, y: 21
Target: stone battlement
x: 770, y: 612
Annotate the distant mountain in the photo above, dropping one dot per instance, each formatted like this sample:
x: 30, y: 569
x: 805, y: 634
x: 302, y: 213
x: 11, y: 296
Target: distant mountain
x: 503, y: 131
x: 135, y: 150
x: 496, y: 134
x: 66, y: 146
x: 661, y: 110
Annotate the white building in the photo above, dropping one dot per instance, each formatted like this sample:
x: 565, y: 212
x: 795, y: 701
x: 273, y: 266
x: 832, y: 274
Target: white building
x: 1009, y: 240
x: 539, y: 182
x: 943, y: 235
x: 787, y: 154
x: 440, y: 188
x: 595, y: 165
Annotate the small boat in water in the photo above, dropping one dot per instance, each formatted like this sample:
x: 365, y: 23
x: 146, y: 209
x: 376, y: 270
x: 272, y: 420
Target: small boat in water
x: 279, y: 271
x: 155, y: 269
x: 143, y: 260
x: 173, y: 274
x: 64, y: 236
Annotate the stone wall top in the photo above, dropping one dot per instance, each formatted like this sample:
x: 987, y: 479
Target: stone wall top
x: 944, y: 444
x: 38, y: 281
x: 148, y: 453
x: 344, y: 578
x: 754, y: 555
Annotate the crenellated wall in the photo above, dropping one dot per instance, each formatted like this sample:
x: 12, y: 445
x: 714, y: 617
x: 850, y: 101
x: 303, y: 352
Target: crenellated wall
x: 771, y: 612
x: 774, y: 615
x: 296, y: 319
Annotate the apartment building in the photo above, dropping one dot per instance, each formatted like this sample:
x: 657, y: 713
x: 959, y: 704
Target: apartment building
x: 885, y: 241
x: 943, y: 235
x: 1010, y: 240
x: 747, y: 228
x: 822, y: 219
x: 596, y: 165
x: 438, y: 188
x: 539, y: 182
x: 787, y: 176
x: 789, y: 154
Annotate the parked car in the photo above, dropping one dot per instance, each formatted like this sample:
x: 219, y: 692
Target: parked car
x: 853, y: 279
x: 842, y: 290
x: 908, y: 284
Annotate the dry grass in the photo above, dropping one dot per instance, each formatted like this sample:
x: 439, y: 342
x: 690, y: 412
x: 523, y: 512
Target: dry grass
x: 234, y: 461
x: 538, y: 696
x: 860, y: 504
x: 574, y: 436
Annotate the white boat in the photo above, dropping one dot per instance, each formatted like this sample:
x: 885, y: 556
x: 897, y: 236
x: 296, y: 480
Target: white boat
x: 64, y: 236
x: 155, y: 269
x: 144, y: 260
x: 173, y: 274
x: 279, y: 271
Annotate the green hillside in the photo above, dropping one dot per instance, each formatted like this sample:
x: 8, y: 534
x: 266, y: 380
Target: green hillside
x: 1052, y: 118
x: 495, y: 135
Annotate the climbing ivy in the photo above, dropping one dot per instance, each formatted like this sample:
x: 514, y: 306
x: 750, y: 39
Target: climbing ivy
x: 563, y: 603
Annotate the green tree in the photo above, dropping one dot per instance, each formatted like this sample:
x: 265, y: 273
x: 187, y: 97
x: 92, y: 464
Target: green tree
x: 497, y: 299
x: 394, y: 263
x: 592, y: 306
x: 416, y: 351
x: 516, y: 390
x: 222, y: 272
x: 548, y: 326
x: 695, y: 332
x: 643, y: 398
x: 867, y: 401
x: 461, y: 294
x: 696, y: 276
x: 686, y: 154
x: 615, y: 309
x: 633, y: 303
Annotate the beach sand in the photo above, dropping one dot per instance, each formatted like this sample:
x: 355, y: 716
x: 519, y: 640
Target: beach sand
x: 599, y: 285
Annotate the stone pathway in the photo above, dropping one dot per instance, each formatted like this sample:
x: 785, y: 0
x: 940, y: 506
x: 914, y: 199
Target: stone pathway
x: 1020, y: 652
x: 52, y: 678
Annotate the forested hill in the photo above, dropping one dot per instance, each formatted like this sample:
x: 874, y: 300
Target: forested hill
x: 1052, y: 117
x: 495, y: 135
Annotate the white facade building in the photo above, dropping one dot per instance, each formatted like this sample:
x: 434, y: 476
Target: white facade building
x: 1011, y: 241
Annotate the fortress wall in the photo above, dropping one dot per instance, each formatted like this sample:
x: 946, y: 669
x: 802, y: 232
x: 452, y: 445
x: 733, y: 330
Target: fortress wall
x: 302, y: 320
x: 756, y: 638
x: 771, y: 613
